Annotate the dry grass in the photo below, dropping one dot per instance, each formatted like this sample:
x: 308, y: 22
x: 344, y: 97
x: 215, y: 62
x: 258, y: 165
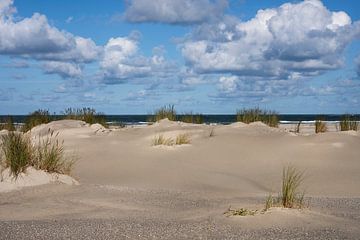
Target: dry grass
x: 182, y: 139
x: 7, y: 124
x: 191, y: 118
x: 88, y: 115
x: 320, y: 126
x: 38, y: 117
x: 270, y: 118
x: 161, y: 140
x: 349, y: 122
x: 162, y: 113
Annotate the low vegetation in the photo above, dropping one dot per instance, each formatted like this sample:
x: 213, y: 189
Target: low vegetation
x: 35, y: 118
x: 297, y: 127
x: 179, y: 140
x: 320, y: 126
x: 270, y: 118
x: 7, y: 123
x: 349, y: 122
x: 162, y: 113
x: 191, y: 118
x: 18, y: 153
x: 290, y: 196
x: 240, y: 212
x: 88, y: 115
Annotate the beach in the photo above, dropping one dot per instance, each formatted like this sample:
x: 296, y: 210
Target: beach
x: 129, y: 188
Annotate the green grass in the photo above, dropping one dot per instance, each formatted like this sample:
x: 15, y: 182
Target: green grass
x: 320, y: 126
x: 290, y: 196
x: 270, y: 118
x: 88, y: 115
x: 18, y: 153
x: 7, y: 123
x: 168, y: 112
x: 191, y: 118
x: 349, y: 122
x: 35, y: 118
x: 182, y: 139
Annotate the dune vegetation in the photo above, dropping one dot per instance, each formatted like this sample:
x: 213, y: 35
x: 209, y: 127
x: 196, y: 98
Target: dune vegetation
x: 88, y: 115
x: 35, y: 118
x: 320, y: 126
x: 349, y: 122
x: 18, y: 153
x: 247, y: 116
x: 7, y: 123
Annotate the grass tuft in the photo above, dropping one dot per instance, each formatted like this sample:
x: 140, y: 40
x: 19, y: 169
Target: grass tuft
x: 182, y: 139
x: 35, y: 118
x: 349, y: 122
x: 161, y: 140
x: 88, y: 115
x: 7, y: 124
x: 162, y: 113
x: 270, y: 118
x: 297, y: 127
x: 320, y: 126
x: 18, y: 153
x: 192, y: 118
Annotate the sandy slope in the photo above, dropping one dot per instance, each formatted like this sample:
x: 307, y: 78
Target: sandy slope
x: 125, y: 180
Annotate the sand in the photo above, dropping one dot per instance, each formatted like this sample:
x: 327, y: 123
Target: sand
x: 131, y: 189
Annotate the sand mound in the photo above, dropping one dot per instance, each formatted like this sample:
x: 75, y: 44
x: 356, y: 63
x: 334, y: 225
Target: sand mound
x: 32, y: 177
x: 238, y: 124
x: 43, y: 129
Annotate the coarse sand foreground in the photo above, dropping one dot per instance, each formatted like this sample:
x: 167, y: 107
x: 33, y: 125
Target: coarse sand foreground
x: 132, y: 189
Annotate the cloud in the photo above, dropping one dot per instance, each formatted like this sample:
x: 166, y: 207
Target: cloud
x: 64, y: 69
x: 122, y: 61
x: 17, y: 64
x: 174, y: 11
x: 35, y: 38
x: 302, y: 39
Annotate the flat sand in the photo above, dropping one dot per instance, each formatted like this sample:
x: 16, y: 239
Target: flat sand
x: 130, y: 189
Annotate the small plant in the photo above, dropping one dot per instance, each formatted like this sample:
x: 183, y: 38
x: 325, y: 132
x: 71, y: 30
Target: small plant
x: 50, y: 155
x: 270, y: 118
x: 161, y: 140
x: 182, y: 139
x: 349, y: 122
x: 17, y: 152
x: 240, y: 212
x: 162, y: 113
x: 36, y: 118
x: 320, y: 126
x: 192, y: 118
x: 88, y: 115
x: 7, y: 124
x: 290, y: 195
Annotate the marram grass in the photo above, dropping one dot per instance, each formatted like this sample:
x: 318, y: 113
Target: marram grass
x: 270, y: 118
x: 320, y: 126
x: 182, y: 139
x: 349, y: 122
x: 168, y: 112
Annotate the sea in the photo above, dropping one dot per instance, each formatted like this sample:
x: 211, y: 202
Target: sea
x: 208, y: 118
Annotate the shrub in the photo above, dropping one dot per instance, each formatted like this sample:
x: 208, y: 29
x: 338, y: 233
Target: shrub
x: 162, y: 113
x: 349, y: 122
x: 17, y: 152
x: 182, y: 139
x: 192, y: 118
x: 36, y: 118
x: 320, y: 126
x: 270, y: 118
x: 88, y: 115
x: 7, y: 124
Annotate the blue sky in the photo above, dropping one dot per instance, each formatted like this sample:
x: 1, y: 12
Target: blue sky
x: 208, y: 56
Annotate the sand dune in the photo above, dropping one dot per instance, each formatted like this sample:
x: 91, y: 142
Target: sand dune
x: 123, y: 177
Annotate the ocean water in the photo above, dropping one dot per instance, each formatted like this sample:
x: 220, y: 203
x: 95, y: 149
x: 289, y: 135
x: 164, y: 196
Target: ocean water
x: 208, y: 118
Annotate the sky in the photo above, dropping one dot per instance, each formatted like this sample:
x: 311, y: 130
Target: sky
x: 203, y: 56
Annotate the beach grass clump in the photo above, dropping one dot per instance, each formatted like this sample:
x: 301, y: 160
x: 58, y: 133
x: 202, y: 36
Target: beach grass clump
x: 290, y: 195
x: 182, y: 139
x: 7, y: 123
x: 349, y: 122
x: 161, y: 140
x: 247, y: 116
x: 297, y: 127
x: 49, y: 155
x: 16, y: 152
x: 35, y: 118
x: 88, y: 115
x: 320, y: 126
x: 168, y: 112
x: 191, y: 118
